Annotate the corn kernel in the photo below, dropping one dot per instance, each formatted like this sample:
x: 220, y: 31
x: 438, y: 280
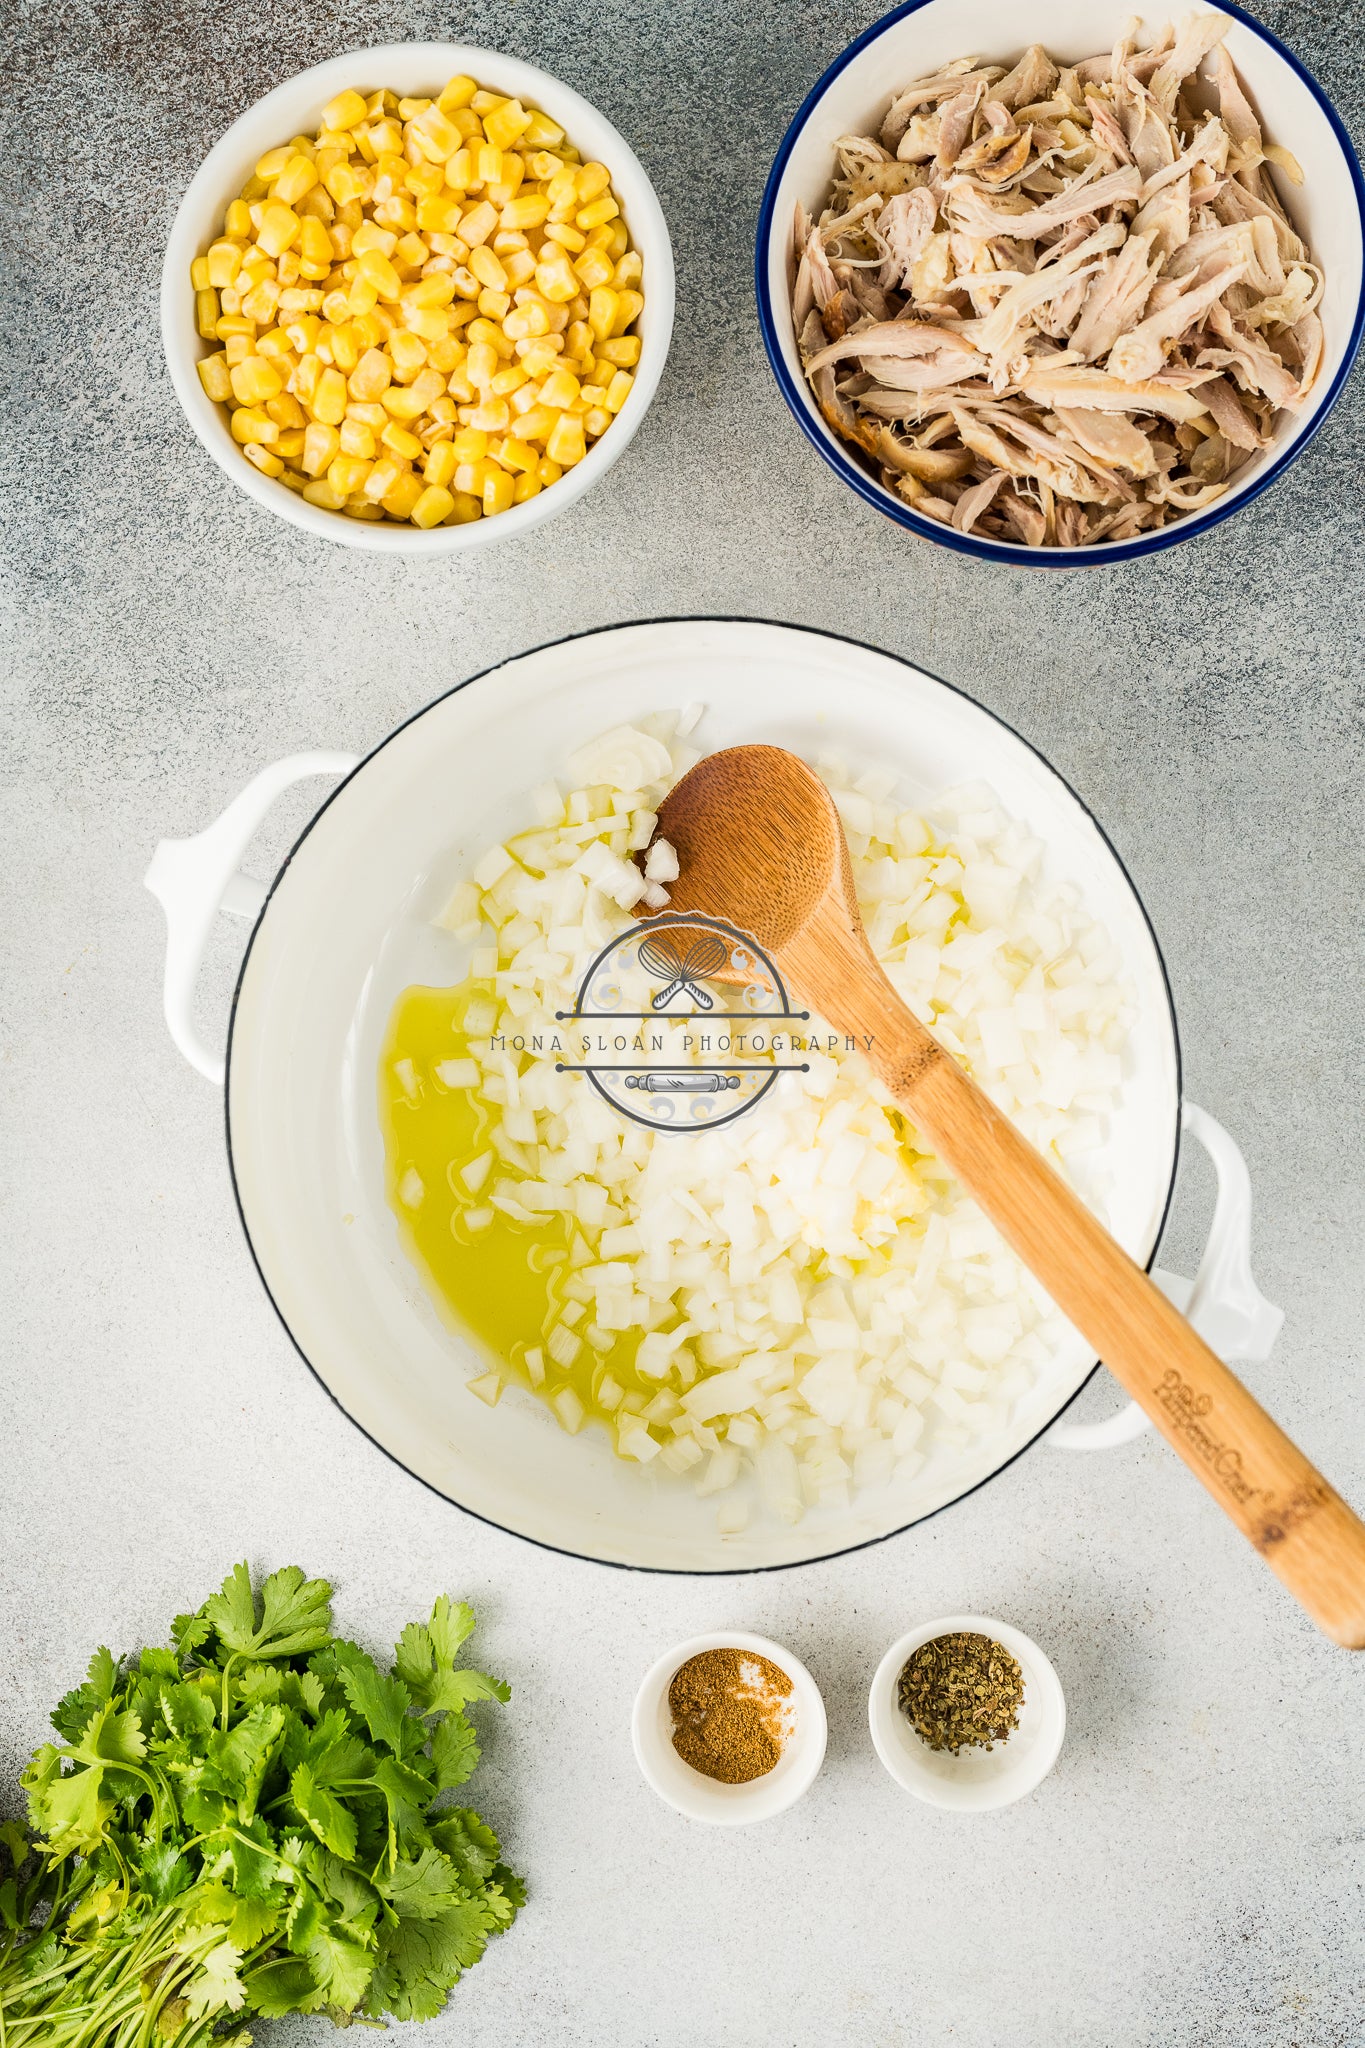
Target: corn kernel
x: 623, y: 349
x: 560, y: 390
x: 254, y: 381
x: 460, y: 171
x: 273, y: 162
x: 432, y: 506
x: 596, y: 420
x: 357, y: 438
x: 469, y: 478
x: 261, y: 458
x: 466, y: 510
x: 280, y: 226
x: 329, y: 400
x: 498, y: 487
x: 207, y: 314
x: 434, y: 134
x: 439, y: 213
x: 506, y: 124
x: 507, y: 381
x: 566, y: 238
x: 566, y: 444
x: 629, y: 269
x: 400, y: 441
x: 590, y: 180
x: 412, y: 251
x: 549, y: 472
x: 237, y: 219
x: 297, y: 177
x: 487, y: 268
x: 286, y: 411
x: 382, y: 478
x: 487, y: 164
x: 458, y: 93
x: 631, y: 304
x: 249, y: 424
x: 290, y: 443
x: 213, y: 375
x: 470, y: 445
x: 401, y: 500
x: 526, y: 487
x: 347, y: 474
x: 527, y: 210
x: 237, y: 348
x: 600, y: 210
x: 381, y: 274
x: 493, y: 415
x: 478, y: 224
x: 556, y: 281
x: 321, y: 446
x: 223, y: 262
x: 536, y: 423
x: 517, y: 455
x: 441, y: 463
x: 347, y: 110
x: 594, y: 268
x: 371, y: 376
x: 543, y: 133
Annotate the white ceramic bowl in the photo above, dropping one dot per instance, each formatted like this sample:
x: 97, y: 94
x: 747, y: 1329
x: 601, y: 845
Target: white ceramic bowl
x: 349, y: 924
x: 1329, y: 211
x: 975, y: 1780
x: 293, y: 109
x: 691, y: 1792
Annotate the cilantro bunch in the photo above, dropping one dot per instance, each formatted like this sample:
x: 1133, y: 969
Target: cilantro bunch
x: 250, y: 1823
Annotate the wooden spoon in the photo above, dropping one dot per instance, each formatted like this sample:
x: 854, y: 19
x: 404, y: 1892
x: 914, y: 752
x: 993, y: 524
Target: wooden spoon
x: 760, y: 845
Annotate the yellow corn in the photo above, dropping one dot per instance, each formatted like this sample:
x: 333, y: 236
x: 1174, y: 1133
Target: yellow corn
x: 630, y: 306
x: 250, y: 424
x: 566, y: 444
x: 261, y: 458
x: 214, y: 376
x: 404, y: 496
x: 224, y: 261
x: 560, y: 390
x: 452, y: 288
x: 329, y: 400
x: 254, y: 381
x: 622, y: 349
x: 347, y: 110
x: 297, y: 177
x: 400, y: 441
x: 441, y: 463
x: 432, y: 506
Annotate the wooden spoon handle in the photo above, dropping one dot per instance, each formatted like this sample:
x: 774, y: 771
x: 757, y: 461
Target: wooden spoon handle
x: 1302, y: 1527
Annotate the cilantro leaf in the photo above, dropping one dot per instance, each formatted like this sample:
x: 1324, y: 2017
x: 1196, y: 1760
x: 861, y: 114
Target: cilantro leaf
x: 454, y: 1751
x: 111, y: 1738
x: 470, y: 1844
x: 282, y: 1986
x: 407, y: 1796
x: 425, y: 1661
x: 73, y: 1713
x: 382, y: 1703
x: 238, y: 1759
x: 323, y: 1811
x: 217, y: 1988
x: 342, y: 1968
x: 420, y: 1960
x: 295, y: 1613
x: 165, y: 1872
x: 422, y: 1890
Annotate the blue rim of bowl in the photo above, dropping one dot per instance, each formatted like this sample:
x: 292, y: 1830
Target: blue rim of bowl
x: 484, y: 675
x: 1015, y: 553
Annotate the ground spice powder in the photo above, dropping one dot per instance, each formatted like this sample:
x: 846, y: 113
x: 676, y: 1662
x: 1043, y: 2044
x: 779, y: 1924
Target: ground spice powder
x: 731, y: 1714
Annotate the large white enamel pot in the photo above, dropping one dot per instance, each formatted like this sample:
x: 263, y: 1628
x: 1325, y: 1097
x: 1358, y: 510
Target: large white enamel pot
x: 347, y: 924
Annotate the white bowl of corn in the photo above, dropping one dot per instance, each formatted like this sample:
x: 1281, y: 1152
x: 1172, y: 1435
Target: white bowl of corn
x: 418, y: 298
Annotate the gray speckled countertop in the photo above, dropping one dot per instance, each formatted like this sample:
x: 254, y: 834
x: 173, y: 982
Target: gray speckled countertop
x: 1192, y: 1872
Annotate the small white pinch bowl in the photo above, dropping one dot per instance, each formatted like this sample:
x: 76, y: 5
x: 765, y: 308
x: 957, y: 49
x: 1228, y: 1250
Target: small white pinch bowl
x: 975, y: 1780
x: 693, y: 1794
x: 294, y: 108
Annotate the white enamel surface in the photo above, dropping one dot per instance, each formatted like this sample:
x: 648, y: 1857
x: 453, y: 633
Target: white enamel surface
x: 693, y: 1794
x: 974, y: 1780
x: 1324, y: 209
x: 409, y: 69
x: 349, y: 925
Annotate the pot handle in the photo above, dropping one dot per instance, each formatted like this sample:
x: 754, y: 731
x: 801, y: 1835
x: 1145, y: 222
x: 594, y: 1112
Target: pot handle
x: 1222, y: 1302
x: 193, y: 879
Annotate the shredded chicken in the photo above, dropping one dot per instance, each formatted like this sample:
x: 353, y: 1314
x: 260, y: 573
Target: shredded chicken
x: 1057, y: 304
